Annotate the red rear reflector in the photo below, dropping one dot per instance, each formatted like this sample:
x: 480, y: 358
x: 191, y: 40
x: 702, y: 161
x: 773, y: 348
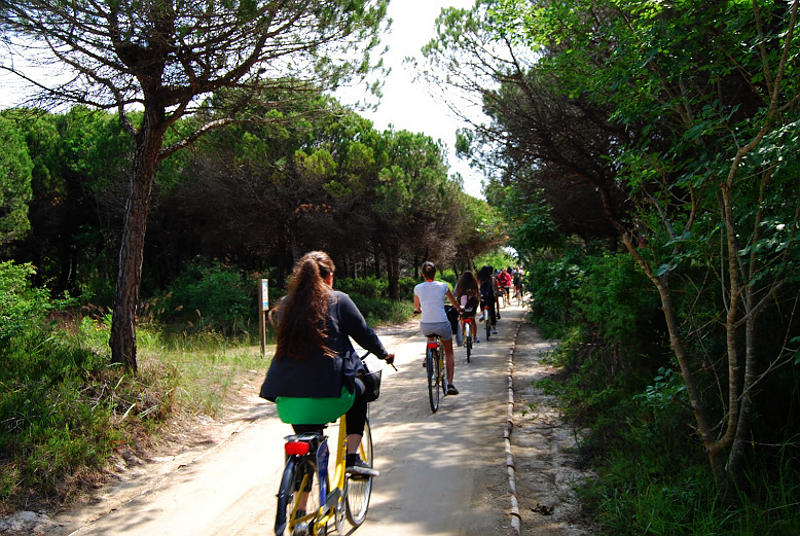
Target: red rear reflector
x: 432, y: 344
x: 298, y: 448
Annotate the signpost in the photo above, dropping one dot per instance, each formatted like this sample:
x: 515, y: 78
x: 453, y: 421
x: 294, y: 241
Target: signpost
x: 263, y: 302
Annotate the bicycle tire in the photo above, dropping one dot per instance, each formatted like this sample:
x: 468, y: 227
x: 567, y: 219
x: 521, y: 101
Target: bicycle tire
x: 488, y: 327
x: 286, y: 497
x: 440, y: 371
x: 468, y: 339
x: 296, y: 475
x: 357, y: 492
x: 432, y: 370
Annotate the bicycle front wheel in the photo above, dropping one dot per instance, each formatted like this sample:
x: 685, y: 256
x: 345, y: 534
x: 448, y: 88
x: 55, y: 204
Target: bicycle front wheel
x: 432, y: 369
x: 357, y: 491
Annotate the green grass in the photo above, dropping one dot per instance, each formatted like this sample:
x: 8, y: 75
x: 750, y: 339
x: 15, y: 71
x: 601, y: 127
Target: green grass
x: 65, y: 410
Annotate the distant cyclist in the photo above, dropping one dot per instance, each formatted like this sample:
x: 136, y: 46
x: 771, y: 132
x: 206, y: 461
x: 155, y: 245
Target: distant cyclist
x: 488, y: 298
x: 429, y: 299
x: 517, y: 280
x: 469, y: 298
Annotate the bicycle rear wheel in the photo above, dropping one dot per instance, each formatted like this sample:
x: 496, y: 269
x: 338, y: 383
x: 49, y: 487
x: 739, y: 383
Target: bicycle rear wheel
x: 286, y: 498
x: 468, y: 339
x: 357, y: 491
x: 487, y: 322
x: 298, y: 477
x: 432, y: 369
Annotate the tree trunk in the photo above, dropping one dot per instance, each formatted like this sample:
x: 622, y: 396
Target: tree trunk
x: 713, y: 449
x: 131, y: 252
x: 393, y: 273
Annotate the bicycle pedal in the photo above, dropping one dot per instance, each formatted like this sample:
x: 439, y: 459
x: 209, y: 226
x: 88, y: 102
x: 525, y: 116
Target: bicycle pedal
x: 302, y: 529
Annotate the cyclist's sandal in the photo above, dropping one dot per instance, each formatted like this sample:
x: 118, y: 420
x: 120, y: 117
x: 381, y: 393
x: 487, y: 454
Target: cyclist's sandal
x: 356, y: 467
x: 451, y: 389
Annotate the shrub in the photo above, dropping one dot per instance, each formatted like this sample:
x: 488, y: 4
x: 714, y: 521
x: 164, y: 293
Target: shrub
x: 616, y: 299
x: 370, y: 287
x: 210, y: 296
x: 22, y: 307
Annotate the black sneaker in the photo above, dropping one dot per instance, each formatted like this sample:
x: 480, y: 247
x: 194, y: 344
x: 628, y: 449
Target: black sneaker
x: 451, y: 390
x: 356, y: 467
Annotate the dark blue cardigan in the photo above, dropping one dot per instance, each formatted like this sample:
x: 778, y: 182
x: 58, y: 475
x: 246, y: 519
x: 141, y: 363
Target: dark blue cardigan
x: 320, y: 376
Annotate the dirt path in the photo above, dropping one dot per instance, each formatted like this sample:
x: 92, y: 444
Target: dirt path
x: 442, y: 473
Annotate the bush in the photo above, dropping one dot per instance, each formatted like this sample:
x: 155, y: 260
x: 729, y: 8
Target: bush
x: 22, y: 308
x: 210, y: 296
x: 369, y: 287
x: 552, y: 283
x: 616, y: 298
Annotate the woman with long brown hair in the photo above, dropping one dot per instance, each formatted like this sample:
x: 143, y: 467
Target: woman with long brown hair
x: 315, y: 364
x: 469, y: 298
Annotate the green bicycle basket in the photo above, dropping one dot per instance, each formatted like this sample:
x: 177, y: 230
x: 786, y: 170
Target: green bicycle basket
x: 303, y: 410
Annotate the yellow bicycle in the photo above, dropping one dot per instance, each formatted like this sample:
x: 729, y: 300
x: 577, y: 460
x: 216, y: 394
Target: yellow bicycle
x: 308, y: 498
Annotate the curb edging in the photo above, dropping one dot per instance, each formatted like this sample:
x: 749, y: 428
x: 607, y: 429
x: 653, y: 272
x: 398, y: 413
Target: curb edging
x: 516, y: 518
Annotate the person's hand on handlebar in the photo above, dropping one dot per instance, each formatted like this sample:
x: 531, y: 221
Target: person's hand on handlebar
x: 389, y: 358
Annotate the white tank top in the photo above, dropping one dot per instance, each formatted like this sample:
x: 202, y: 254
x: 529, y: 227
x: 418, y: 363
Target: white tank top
x: 431, y: 300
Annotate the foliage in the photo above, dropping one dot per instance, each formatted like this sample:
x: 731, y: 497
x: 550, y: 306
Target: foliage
x: 209, y: 296
x: 617, y: 301
x: 500, y: 258
x: 15, y: 182
x: 67, y: 414
x: 22, y: 307
x: 552, y: 283
x: 369, y: 287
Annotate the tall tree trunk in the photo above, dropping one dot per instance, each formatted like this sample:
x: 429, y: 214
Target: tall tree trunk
x: 393, y: 272
x: 131, y: 251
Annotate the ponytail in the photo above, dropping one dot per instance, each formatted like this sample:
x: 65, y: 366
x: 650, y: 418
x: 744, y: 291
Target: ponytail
x: 304, y: 311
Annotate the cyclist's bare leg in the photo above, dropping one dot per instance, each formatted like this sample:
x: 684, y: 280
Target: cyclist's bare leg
x: 353, y: 442
x: 450, y: 361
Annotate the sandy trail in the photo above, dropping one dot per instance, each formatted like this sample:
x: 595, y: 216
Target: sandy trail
x: 441, y: 474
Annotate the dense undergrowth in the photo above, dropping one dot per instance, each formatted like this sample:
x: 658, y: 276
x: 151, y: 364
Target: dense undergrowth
x: 619, y: 381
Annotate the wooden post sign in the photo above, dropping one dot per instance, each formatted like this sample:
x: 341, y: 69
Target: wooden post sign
x: 263, y: 303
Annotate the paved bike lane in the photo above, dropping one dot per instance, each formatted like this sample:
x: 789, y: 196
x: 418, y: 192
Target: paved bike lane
x: 442, y: 473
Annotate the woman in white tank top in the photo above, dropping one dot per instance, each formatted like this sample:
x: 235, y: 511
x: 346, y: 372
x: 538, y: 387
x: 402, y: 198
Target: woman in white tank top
x: 429, y: 300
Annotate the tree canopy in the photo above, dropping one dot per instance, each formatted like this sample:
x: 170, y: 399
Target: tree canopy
x: 166, y: 58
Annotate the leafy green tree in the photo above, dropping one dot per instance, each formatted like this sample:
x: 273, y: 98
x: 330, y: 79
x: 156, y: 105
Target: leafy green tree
x: 163, y: 58
x: 80, y: 165
x: 709, y: 94
x: 534, y: 136
x: 15, y: 182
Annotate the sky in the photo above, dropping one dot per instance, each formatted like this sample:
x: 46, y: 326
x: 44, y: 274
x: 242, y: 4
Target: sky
x: 405, y: 104
x: 409, y: 105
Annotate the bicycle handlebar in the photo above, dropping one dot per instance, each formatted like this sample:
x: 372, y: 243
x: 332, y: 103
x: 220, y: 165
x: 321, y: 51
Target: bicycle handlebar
x: 363, y: 357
